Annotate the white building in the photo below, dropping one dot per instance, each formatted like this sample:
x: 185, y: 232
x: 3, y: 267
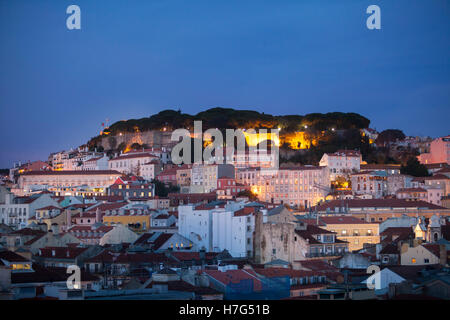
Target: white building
x: 233, y: 230
x: 195, y: 224
x: 342, y: 163
x: 97, y: 163
x: 150, y: 170
x: 301, y: 186
x: 15, y: 211
x: 219, y: 226
x: 131, y: 163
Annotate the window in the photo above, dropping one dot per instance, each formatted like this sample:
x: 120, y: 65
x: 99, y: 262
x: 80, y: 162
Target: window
x: 413, y: 260
x: 274, y: 251
x: 426, y: 260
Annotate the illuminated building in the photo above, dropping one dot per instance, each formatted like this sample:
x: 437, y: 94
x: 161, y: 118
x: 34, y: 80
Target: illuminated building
x: 297, y: 186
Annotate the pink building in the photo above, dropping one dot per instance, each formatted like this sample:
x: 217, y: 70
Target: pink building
x: 439, y: 151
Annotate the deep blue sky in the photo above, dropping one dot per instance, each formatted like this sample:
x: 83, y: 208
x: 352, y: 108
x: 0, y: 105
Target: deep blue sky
x: 134, y: 58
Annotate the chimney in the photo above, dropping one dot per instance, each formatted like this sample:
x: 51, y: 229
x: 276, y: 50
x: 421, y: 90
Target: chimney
x: 53, y: 252
x: 98, y: 216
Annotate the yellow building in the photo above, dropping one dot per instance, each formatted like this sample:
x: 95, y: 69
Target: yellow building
x: 49, y: 215
x: 355, y: 231
x: 136, y: 219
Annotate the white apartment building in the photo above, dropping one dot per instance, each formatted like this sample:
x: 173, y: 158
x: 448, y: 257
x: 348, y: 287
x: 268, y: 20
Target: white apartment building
x: 219, y: 226
x: 91, y: 178
x: 15, y: 211
x: 131, y: 163
x: 302, y: 186
x: 150, y: 170
x: 98, y: 163
x: 204, y: 176
x: 341, y: 163
x: 195, y: 224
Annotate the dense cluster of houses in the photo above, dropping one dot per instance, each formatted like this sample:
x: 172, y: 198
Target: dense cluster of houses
x: 229, y: 232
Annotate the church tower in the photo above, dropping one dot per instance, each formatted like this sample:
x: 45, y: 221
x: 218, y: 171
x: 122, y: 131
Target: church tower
x: 434, y: 229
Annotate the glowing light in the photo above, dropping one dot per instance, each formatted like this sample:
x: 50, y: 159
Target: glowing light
x: 254, y: 139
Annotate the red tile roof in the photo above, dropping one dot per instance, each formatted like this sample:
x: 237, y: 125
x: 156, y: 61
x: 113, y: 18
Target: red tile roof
x: 61, y: 252
x: 234, y: 277
x: 375, y: 203
x: 245, y: 211
x: 342, y: 220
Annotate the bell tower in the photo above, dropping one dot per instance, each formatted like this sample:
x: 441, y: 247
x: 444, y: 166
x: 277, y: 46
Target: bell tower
x: 434, y: 229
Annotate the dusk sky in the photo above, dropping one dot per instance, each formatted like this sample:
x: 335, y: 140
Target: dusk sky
x: 134, y: 58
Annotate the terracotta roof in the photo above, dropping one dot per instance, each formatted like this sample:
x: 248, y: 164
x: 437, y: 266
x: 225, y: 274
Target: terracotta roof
x: 28, y: 232
x: 245, y: 211
x: 310, y: 231
x: 375, y: 203
x: 61, y: 252
x: 317, y: 265
x: 342, y: 220
x: 375, y: 166
x: 234, y: 277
